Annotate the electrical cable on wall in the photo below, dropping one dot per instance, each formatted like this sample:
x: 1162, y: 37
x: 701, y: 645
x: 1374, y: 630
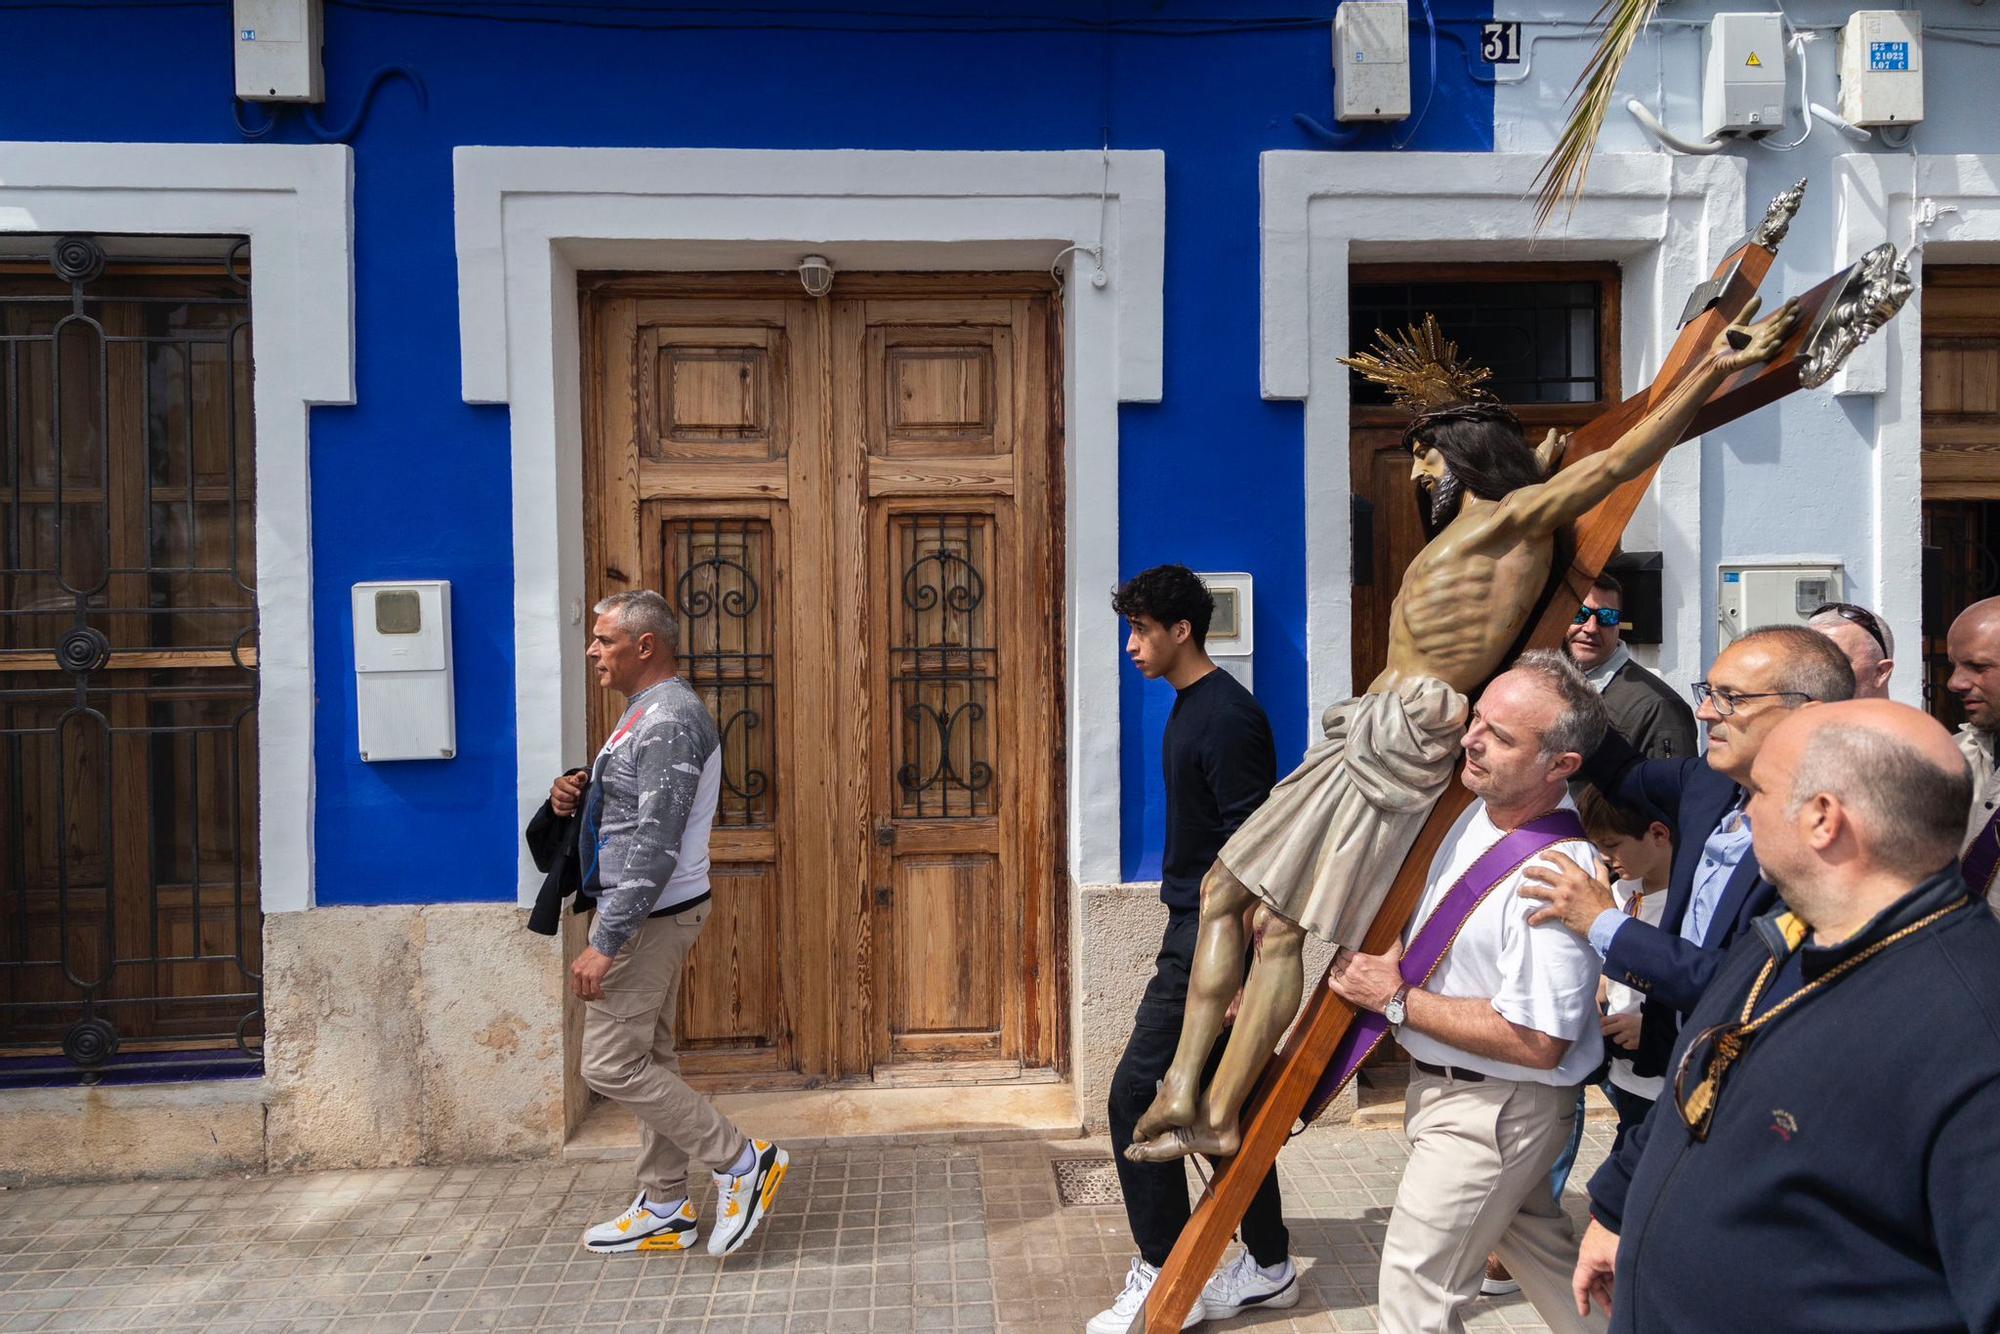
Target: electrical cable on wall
x: 340, y: 134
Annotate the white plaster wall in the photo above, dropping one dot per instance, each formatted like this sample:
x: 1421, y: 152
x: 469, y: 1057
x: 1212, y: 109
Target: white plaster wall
x: 1821, y: 471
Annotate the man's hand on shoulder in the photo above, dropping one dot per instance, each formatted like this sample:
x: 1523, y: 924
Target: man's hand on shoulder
x: 586, y: 975
x: 1596, y: 1264
x: 1570, y: 894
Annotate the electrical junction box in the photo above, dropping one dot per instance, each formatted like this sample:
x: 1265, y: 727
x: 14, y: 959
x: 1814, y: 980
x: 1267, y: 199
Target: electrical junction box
x: 278, y: 51
x: 1882, y: 67
x: 1750, y: 597
x: 1371, y: 60
x: 402, y: 670
x: 1230, y: 639
x: 1743, y: 76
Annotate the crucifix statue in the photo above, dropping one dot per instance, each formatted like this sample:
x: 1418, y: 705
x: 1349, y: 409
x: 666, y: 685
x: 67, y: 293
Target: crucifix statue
x: 1341, y: 846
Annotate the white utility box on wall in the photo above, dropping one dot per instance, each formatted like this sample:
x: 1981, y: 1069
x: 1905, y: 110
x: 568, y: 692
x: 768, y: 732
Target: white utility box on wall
x: 1749, y: 597
x: 1230, y: 640
x: 278, y: 51
x: 1743, y: 75
x: 402, y: 670
x: 1882, y: 67
x: 1371, y: 60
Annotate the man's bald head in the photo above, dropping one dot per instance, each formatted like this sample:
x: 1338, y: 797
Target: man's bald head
x: 1974, y: 645
x: 1853, y: 791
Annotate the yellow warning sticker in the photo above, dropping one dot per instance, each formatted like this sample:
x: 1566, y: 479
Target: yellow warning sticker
x: 1753, y: 62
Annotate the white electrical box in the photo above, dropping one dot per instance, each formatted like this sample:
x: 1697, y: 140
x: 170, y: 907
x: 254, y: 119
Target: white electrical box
x: 1882, y: 67
x: 1230, y: 639
x: 1743, y: 76
x: 402, y: 670
x: 277, y: 51
x: 1750, y: 597
x: 1371, y: 60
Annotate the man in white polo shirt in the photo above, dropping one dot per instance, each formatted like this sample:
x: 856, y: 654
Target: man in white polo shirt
x: 1504, y: 1030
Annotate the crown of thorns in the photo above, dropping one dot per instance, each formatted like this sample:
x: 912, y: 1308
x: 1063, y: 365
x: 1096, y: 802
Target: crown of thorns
x: 1421, y: 370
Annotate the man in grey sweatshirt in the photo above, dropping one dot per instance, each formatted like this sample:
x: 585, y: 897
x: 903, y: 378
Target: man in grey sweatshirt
x: 647, y: 806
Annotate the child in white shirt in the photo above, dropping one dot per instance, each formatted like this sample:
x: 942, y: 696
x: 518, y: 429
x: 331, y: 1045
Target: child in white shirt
x: 1640, y: 851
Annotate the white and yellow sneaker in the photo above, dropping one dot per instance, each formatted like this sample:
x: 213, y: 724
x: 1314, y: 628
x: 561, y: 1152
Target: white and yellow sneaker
x: 640, y: 1229
x: 742, y: 1201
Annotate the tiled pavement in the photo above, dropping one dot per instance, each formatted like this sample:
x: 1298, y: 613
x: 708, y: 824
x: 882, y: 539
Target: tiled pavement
x: 930, y: 1237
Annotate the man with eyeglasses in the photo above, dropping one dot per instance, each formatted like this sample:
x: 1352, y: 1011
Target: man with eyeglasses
x: 1864, y: 637
x: 1716, y: 889
x: 1826, y: 1150
x: 1643, y: 708
x: 1974, y: 645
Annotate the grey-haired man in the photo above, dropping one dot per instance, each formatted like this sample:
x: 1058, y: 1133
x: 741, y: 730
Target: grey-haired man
x: 647, y: 805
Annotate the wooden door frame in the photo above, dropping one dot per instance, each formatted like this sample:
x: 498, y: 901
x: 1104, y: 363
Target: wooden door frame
x: 1046, y: 998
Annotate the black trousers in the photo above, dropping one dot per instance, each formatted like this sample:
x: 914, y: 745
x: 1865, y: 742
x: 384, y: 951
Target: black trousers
x: 1156, y: 1194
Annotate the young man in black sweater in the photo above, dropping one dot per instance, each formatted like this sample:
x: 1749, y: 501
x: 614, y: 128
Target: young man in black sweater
x: 1219, y: 763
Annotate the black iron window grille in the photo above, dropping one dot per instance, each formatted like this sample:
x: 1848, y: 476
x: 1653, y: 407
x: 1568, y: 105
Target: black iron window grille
x: 131, y: 945
x: 719, y: 569
x: 943, y: 670
x: 1541, y: 339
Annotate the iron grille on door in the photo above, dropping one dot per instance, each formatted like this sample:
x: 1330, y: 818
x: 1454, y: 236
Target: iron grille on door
x: 131, y: 939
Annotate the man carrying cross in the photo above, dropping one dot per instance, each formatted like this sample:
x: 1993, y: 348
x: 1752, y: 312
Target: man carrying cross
x: 1320, y: 855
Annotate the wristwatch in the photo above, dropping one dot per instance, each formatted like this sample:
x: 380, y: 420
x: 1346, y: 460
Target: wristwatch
x: 1395, y: 1011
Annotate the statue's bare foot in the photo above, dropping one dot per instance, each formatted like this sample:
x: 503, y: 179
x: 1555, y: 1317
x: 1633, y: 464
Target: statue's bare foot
x: 1181, y: 1141
x: 1174, y: 1106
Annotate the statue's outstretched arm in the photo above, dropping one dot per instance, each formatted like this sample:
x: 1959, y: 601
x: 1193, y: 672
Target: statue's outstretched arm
x: 1573, y: 492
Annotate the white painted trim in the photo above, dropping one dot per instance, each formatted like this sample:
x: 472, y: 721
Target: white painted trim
x: 295, y: 203
x: 1876, y: 199
x: 1667, y: 220
x: 529, y: 218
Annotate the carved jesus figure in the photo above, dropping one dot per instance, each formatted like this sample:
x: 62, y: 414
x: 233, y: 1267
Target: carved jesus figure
x: 1320, y: 854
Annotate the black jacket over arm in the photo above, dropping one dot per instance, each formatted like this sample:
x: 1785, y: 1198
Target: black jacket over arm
x: 1852, y: 1167
x: 1646, y: 712
x: 1670, y: 972
x: 552, y: 843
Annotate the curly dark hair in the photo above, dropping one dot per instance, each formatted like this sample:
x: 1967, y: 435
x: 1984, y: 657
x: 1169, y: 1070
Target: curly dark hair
x: 1167, y: 594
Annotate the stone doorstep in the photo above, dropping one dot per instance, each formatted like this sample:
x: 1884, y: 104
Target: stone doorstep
x: 850, y: 1117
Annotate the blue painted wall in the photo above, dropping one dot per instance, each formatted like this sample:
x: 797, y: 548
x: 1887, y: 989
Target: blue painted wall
x: 412, y: 482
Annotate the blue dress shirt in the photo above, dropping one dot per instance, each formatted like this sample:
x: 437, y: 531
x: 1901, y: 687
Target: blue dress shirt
x: 1720, y: 856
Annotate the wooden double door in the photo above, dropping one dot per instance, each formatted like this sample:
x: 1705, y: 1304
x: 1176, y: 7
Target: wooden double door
x: 852, y: 504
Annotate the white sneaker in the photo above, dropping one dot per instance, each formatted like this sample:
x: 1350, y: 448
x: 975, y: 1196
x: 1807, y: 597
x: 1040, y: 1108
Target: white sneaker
x: 1238, y: 1287
x: 1119, y: 1316
x: 640, y: 1229
x: 742, y: 1201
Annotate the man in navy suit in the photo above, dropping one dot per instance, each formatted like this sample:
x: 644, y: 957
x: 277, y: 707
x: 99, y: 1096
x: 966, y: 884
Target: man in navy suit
x: 1717, y: 889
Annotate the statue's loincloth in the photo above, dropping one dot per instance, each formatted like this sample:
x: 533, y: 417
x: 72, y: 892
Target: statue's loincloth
x: 1324, y: 847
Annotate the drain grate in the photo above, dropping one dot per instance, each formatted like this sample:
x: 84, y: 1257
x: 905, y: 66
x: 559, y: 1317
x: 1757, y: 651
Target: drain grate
x: 1084, y: 1181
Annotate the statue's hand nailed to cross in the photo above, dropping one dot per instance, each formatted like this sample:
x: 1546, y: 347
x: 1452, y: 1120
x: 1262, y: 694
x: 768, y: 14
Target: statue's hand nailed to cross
x: 1743, y: 344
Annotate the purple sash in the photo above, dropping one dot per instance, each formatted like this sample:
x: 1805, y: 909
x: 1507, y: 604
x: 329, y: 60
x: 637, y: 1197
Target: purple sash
x: 1983, y: 857
x: 1428, y: 949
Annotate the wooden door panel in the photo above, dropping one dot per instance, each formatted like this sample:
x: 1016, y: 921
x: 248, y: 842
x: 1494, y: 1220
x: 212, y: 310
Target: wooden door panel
x: 939, y: 392
x: 718, y: 568
x: 709, y: 393
x: 946, y: 997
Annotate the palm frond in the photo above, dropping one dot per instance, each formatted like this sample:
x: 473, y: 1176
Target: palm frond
x: 1562, y: 175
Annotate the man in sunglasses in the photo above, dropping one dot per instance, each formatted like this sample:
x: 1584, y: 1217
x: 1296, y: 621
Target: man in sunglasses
x: 1974, y: 645
x: 1643, y: 708
x: 1864, y: 637
x: 1717, y: 888
x: 1826, y: 1150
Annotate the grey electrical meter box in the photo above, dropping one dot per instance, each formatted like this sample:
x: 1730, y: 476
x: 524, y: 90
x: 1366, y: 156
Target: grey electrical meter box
x: 404, y: 708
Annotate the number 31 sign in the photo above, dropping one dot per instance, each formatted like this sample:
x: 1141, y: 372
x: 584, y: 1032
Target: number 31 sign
x: 1500, y: 43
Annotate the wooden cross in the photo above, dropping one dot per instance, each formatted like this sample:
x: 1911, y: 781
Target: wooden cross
x: 1275, y: 1104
